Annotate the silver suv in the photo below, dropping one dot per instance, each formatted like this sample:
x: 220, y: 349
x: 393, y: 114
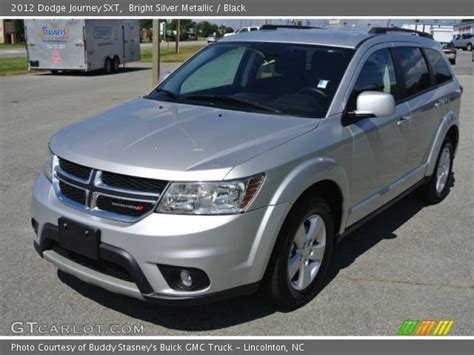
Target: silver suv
x: 464, y: 41
x: 246, y: 166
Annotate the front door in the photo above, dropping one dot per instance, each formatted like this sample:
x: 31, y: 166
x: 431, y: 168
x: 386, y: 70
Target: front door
x: 380, y: 143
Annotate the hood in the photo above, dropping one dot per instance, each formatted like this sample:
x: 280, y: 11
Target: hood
x: 159, y: 139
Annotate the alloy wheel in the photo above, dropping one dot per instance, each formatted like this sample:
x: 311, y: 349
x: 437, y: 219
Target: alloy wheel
x: 307, y: 252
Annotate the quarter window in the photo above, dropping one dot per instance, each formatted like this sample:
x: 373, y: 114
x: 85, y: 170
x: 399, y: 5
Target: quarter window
x: 377, y: 74
x: 439, y: 66
x: 415, y: 70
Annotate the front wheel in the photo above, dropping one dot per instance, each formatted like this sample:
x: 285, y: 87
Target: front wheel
x: 469, y: 47
x: 438, y: 186
x: 301, y: 256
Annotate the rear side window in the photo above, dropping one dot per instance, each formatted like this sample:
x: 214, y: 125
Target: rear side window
x: 440, y: 67
x: 414, y: 70
x: 377, y: 74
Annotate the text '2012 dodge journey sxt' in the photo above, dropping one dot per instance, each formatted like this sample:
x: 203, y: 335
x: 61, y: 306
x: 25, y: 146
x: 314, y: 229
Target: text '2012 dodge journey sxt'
x: 247, y: 164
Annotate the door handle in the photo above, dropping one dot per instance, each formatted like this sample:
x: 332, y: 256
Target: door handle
x: 403, y: 120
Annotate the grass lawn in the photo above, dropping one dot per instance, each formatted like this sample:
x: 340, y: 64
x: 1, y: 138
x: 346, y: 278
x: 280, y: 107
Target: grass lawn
x: 17, y: 65
x: 168, y: 53
x: 13, y: 65
x: 11, y: 46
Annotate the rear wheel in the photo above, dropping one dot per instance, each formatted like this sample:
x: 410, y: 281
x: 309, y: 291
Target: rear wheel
x: 116, y: 65
x: 469, y: 47
x: 437, y: 188
x: 302, y: 253
x: 108, y: 66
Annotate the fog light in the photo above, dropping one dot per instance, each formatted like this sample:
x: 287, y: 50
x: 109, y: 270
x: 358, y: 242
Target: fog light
x: 186, y: 278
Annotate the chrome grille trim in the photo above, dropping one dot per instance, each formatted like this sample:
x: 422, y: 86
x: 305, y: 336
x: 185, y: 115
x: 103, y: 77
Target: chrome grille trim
x: 99, y: 183
x: 94, y: 188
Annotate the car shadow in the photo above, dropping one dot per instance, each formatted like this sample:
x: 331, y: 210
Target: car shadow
x: 236, y: 311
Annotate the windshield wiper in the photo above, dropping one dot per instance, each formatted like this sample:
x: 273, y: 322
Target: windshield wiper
x: 231, y: 99
x: 168, y: 93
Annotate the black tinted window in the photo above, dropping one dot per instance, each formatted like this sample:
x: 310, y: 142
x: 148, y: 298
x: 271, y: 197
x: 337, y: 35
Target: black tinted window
x: 439, y: 66
x: 415, y: 70
x: 377, y: 74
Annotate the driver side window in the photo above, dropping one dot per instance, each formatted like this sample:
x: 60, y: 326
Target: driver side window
x: 377, y: 74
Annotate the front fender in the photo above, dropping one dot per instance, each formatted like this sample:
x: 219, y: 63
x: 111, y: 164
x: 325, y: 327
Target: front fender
x: 310, y: 172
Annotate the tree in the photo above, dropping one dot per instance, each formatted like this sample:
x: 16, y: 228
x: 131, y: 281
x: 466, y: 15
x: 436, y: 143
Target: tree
x: 19, y: 28
x: 146, y: 24
x: 206, y: 28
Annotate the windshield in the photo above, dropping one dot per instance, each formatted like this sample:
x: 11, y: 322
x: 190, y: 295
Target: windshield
x: 279, y: 78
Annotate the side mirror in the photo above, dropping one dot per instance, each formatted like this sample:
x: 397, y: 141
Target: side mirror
x: 375, y: 103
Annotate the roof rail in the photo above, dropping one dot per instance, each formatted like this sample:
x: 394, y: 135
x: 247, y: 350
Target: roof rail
x: 294, y: 27
x: 384, y: 30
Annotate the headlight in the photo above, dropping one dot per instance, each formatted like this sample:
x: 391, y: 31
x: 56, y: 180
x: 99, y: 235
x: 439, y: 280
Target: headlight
x: 48, y: 167
x: 224, y: 197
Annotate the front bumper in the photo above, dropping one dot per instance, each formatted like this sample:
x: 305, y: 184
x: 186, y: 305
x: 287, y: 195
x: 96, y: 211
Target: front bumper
x: 232, y: 250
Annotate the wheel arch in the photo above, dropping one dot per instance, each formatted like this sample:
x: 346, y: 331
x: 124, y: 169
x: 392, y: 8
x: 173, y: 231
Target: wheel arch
x: 447, y: 128
x: 322, y: 176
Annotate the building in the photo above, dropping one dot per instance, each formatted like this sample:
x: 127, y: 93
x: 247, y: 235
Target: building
x: 464, y: 27
x: 7, y: 32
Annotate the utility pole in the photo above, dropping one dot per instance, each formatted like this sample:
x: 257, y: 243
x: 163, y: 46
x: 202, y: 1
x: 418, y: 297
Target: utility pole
x: 178, y: 31
x: 156, y: 53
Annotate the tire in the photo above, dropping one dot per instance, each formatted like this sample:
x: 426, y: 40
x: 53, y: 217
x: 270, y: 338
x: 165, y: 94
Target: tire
x: 290, y: 289
x: 453, y: 61
x: 116, y: 65
x: 108, y: 65
x: 54, y: 71
x: 435, y: 190
x: 469, y: 47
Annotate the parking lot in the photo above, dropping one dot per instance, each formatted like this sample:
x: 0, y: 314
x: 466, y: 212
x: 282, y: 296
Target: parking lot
x: 411, y: 262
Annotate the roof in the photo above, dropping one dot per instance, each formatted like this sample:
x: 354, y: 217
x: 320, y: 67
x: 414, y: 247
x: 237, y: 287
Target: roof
x: 324, y: 37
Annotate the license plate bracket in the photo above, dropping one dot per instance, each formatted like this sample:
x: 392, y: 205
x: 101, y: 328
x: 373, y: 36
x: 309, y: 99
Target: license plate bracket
x: 79, y: 238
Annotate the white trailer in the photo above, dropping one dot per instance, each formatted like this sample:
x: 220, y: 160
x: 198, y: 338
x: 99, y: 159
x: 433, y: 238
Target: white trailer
x: 83, y: 45
x: 442, y: 33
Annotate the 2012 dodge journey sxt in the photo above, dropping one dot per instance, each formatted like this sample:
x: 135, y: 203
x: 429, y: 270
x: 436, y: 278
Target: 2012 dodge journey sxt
x: 245, y: 166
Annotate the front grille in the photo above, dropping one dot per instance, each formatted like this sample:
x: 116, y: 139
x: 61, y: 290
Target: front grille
x: 124, y: 207
x: 74, y: 169
x: 101, y: 266
x: 133, y: 183
x: 73, y: 193
x: 106, y: 194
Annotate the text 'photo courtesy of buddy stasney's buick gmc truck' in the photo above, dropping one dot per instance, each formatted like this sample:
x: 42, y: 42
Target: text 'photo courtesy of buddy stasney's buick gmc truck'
x: 244, y: 168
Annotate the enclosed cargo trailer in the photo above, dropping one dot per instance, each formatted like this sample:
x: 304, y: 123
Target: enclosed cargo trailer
x: 83, y: 45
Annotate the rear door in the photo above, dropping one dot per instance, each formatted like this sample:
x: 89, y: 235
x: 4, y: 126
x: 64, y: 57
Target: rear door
x: 131, y: 40
x: 56, y: 44
x: 426, y: 101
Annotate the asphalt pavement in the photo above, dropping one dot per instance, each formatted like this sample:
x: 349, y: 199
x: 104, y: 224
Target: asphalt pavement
x: 412, y: 262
